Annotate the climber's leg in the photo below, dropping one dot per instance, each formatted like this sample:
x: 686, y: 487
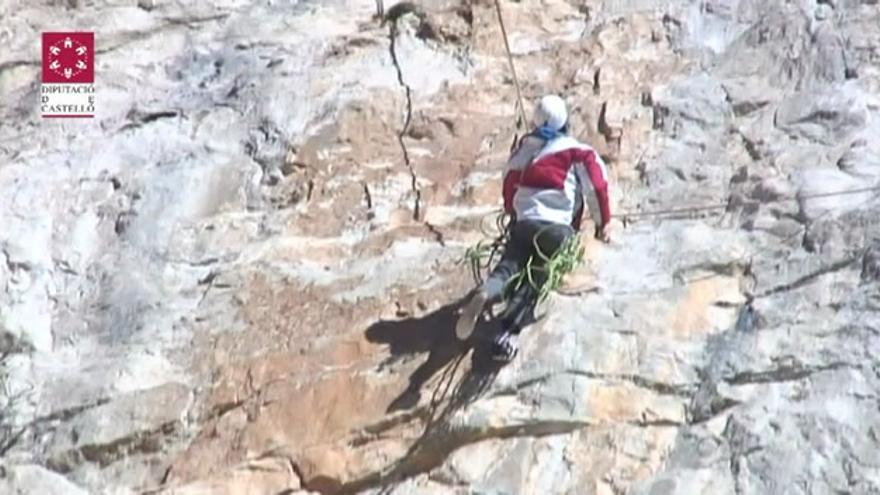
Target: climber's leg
x: 505, y: 346
x: 512, y: 260
x: 520, y: 310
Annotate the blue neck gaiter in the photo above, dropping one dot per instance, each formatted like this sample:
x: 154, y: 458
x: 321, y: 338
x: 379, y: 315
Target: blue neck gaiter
x: 547, y: 133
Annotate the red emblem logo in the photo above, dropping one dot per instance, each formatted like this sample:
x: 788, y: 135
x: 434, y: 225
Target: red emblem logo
x: 69, y: 58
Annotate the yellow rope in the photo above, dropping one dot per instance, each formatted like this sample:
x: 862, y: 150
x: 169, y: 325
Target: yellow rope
x: 522, y: 110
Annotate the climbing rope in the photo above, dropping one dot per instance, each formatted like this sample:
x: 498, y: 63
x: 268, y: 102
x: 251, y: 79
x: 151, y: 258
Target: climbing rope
x: 553, y: 267
x: 717, y: 207
x: 521, y: 122
x: 482, y: 256
x: 746, y: 260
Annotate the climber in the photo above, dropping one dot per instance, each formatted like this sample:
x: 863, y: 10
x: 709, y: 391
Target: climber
x: 547, y: 179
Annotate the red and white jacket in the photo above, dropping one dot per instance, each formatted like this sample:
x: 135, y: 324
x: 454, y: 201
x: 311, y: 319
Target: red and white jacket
x: 550, y: 180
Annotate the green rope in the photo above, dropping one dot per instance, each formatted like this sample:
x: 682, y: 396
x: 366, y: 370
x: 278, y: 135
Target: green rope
x: 569, y: 256
x: 481, y: 258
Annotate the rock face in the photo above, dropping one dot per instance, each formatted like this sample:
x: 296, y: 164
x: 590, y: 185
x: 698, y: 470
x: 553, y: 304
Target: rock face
x: 242, y: 277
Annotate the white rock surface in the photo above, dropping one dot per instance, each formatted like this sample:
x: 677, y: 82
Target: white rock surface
x: 241, y: 276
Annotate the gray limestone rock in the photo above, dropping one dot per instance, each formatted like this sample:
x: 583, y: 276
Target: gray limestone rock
x: 691, y: 106
x: 240, y: 275
x: 828, y: 117
x: 25, y: 479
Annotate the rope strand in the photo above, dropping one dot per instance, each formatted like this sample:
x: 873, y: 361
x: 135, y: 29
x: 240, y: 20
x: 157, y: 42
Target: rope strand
x: 711, y: 207
x: 522, y: 109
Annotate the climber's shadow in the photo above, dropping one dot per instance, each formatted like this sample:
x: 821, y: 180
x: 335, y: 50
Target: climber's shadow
x: 434, y: 333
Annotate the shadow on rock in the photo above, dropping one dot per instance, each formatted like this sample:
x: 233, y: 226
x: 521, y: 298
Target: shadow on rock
x: 433, y: 333
x: 437, y: 439
x: 452, y: 391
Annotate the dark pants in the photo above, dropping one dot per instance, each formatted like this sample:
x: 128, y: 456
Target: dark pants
x: 520, y: 246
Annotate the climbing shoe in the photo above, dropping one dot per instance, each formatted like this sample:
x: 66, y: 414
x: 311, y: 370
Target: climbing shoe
x: 505, y: 346
x: 467, y: 320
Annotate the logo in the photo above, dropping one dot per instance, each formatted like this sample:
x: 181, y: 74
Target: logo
x: 68, y: 75
x: 68, y: 57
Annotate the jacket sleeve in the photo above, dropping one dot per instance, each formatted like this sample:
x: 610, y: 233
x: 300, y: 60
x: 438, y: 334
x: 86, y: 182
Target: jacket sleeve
x: 578, y: 217
x: 591, y: 166
x: 511, y: 183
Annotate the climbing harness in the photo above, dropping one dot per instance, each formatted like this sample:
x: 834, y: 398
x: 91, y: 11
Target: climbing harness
x: 482, y: 256
x: 566, y: 258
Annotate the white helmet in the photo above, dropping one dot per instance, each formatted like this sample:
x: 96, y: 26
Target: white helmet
x: 550, y: 112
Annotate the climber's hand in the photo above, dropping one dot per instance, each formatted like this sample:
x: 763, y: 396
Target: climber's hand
x: 602, y: 234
